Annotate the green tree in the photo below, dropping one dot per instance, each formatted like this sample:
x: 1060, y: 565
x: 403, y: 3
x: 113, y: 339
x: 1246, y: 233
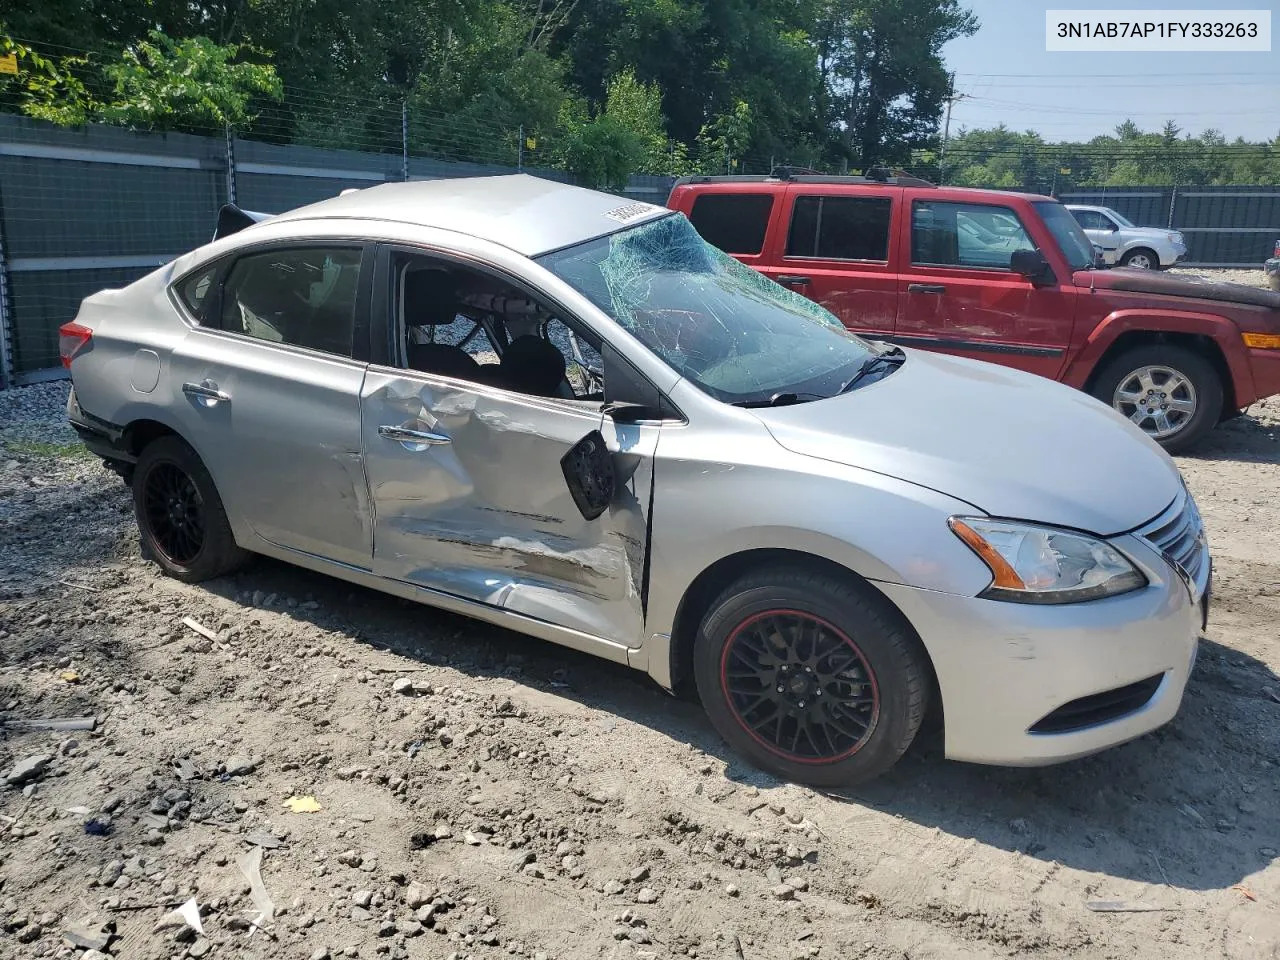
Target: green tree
x: 191, y: 84
x: 883, y: 82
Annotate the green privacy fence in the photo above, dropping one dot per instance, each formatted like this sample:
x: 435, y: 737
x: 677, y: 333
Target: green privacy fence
x: 1223, y: 226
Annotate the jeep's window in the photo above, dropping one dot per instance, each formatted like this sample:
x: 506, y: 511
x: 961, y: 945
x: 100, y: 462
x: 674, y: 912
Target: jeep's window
x: 197, y: 289
x: 732, y: 332
x: 979, y: 235
x: 305, y: 297
x: 734, y: 222
x: 1075, y: 246
x: 840, y: 228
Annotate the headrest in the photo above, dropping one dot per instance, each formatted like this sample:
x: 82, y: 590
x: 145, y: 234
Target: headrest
x: 533, y: 365
x: 430, y: 298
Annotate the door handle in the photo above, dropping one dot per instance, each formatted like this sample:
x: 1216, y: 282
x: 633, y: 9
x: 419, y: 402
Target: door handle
x: 926, y: 288
x: 206, y: 392
x: 412, y: 438
x: 791, y: 278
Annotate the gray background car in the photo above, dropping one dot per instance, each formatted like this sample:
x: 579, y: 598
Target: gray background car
x: 1127, y: 245
x: 566, y: 414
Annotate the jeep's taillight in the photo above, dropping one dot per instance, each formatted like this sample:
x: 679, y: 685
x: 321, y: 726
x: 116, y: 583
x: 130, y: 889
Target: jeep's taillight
x: 72, y: 338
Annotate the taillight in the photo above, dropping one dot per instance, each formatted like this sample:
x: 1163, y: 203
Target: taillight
x: 71, y: 340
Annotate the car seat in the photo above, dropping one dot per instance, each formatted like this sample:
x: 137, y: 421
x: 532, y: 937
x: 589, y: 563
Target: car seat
x: 431, y: 300
x: 533, y: 365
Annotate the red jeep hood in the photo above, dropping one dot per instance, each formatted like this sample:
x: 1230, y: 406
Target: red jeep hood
x: 1168, y: 285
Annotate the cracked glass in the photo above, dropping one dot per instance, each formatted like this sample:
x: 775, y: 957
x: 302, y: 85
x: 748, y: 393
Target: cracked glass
x: 733, y: 332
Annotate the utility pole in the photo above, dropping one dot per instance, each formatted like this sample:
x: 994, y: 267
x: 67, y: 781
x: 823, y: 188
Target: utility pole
x: 952, y: 97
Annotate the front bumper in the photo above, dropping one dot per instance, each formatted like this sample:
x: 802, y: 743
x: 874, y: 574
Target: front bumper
x: 1003, y: 668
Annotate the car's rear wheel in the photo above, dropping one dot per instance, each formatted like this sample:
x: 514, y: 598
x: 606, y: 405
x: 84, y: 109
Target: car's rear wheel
x: 1173, y: 395
x: 1141, y: 259
x: 183, y: 526
x: 811, y: 677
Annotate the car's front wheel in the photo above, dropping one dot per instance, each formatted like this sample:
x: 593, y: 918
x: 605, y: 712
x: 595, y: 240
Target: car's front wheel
x: 180, y: 516
x: 1141, y: 259
x: 1175, y: 396
x: 810, y: 676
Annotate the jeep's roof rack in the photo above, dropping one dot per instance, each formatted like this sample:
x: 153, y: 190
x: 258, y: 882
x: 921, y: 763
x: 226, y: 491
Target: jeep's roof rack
x: 876, y: 176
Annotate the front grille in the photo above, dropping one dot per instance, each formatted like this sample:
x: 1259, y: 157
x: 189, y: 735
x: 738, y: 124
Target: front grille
x: 1178, y: 534
x: 1099, y: 707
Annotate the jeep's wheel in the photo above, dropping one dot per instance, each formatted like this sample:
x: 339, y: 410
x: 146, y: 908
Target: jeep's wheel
x: 817, y: 680
x: 180, y: 516
x: 1141, y: 259
x: 1175, y: 396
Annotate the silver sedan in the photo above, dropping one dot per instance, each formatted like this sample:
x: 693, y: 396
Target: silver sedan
x: 565, y: 413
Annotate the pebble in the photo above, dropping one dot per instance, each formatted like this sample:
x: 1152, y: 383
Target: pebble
x: 200, y: 948
x: 239, y: 766
x: 639, y: 874
x: 731, y: 890
x: 613, y: 888
x: 783, y: 891
x: 28, y: 769
x: 647, y: 895
x: 360, y: 914
x: 362, y: 898
x: 417, y: 895
x: 321, y: 954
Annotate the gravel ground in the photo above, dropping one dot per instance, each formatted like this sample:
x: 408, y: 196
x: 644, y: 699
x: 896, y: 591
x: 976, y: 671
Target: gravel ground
x: 485, y: 795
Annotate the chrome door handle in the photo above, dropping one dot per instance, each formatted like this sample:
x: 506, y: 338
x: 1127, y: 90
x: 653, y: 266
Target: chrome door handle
x: 206, y: 391
x: 793, y: 279
x: 926, y: 288
x: 412, y: 438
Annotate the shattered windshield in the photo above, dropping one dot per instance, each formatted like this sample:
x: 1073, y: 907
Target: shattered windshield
x: 736, y: 334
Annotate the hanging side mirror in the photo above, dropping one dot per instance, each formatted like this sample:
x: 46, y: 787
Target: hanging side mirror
x: 589, y: 474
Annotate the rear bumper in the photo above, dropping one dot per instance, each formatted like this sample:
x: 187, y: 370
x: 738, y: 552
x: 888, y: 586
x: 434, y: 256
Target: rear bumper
x: 1005, y: 668
x: 99, y: 437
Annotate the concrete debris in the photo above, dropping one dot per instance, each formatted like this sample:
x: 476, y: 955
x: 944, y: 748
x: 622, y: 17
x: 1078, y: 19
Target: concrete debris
x: 29, y: 768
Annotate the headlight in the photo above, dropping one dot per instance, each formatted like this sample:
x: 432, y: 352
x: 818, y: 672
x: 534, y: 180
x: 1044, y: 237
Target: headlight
x: 1175, y: 238
x: 1031, y: 564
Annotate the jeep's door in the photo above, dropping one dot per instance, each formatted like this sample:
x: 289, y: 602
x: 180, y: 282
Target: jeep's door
x: 960, y: 295
x: 834, y: 247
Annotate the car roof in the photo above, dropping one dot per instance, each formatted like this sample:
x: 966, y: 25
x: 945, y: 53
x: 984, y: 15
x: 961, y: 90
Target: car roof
x: 527, y: 214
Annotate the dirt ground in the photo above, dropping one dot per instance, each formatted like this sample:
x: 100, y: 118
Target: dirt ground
x: 485, y: 795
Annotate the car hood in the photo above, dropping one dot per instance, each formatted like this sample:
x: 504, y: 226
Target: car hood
x: 1010, y: 443
x: 1177, y: 285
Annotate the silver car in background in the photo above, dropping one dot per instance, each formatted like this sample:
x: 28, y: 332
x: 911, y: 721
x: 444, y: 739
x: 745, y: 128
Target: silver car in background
x: 1124, y: 244
x: 565, y: 413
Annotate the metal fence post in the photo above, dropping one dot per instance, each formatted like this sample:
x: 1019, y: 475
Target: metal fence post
x: 230, y: 158
x: 1173, y: 199
x: 6, y: 324
x: 520, y: 151
x: 404, y: 139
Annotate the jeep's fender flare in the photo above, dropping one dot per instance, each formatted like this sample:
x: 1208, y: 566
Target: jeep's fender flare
x: 1221, y: 330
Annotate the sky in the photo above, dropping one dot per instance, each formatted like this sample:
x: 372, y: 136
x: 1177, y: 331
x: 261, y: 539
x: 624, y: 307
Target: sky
x: 1009, y: 77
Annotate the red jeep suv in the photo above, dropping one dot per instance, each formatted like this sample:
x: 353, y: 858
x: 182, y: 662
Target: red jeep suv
x: 1006, y: 277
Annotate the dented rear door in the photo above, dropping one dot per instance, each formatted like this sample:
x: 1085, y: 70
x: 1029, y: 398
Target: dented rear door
x: 469, y: 498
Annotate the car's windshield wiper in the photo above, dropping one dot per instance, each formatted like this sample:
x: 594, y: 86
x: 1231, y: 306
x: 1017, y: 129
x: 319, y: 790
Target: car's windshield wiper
x: 779, y: 400
x: 892, y: 358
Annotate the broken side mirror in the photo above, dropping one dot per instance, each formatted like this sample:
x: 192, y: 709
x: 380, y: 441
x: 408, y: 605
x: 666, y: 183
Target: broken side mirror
x: 589, y: 474
x: 1032, y: 265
